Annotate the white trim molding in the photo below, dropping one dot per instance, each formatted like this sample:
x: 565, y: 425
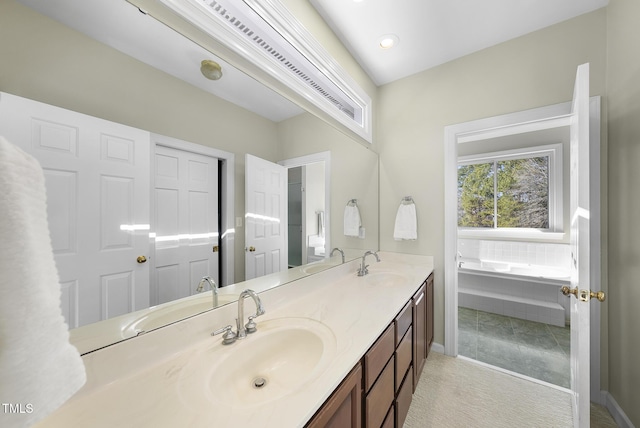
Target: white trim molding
x: 309, y: 76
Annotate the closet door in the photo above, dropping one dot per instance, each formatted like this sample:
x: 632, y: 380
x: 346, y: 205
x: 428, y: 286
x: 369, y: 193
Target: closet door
x: 97, y: 179
x: 185, y: 222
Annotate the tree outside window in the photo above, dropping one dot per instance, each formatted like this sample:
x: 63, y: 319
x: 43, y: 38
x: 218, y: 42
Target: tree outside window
x: 510, y: 193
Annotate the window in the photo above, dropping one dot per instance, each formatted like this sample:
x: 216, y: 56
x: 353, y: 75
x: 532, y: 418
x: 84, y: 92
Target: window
x: 516, y: 190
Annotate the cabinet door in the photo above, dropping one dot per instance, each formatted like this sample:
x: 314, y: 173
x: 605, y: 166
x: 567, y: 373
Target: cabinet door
x: 420, y: 333
x: 430, y: 305
x: 344, y: 408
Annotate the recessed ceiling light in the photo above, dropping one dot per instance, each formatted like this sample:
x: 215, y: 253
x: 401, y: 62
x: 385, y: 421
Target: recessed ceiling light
x: 388, y: 41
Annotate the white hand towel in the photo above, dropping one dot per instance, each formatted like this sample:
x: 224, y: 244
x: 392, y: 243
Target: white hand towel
x: 406, y: 227
x: 39, y: 368
x: 352, y: 221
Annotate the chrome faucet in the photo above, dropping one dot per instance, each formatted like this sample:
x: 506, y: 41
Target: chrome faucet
x: 339, y: 250
x: 214, y: 288
x: 242, y: 329
x: 250, y: 327
x: 362, y: 271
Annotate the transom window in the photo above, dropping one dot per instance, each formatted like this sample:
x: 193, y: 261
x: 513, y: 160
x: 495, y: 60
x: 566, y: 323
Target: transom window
x: 517, y: 189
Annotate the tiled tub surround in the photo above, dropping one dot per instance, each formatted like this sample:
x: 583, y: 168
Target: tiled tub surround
x: 140, y: 382
x: 516, y: 279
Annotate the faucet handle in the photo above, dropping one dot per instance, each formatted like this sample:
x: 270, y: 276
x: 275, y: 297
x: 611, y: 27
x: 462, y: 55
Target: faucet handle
x: 251, y: 326
x: 228, y: 337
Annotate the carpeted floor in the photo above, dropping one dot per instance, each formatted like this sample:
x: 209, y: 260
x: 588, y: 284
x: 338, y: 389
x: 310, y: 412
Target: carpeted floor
x: 454, y: 392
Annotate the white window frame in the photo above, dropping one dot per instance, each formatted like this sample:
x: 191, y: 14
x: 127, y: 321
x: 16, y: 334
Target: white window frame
x: 556, y: 226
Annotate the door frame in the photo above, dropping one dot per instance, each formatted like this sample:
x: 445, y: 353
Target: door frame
x: 227, y: 198
x: 553, y: 116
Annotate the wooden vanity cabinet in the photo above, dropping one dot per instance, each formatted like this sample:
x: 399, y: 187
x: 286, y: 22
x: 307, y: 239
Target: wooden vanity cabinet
x: 344, y: 408
x: 419, y: 333
x: 378, y: 392
x: 388, y: 389
x: 422, y: 327
x: 430, y: 307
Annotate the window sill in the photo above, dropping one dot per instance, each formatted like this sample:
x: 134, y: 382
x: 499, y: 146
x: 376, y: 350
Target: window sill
x: 513, y: 234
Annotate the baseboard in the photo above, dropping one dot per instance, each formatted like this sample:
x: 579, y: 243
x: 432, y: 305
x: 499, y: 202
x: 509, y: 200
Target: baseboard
x: 616, y: 411
x: 436, y: 347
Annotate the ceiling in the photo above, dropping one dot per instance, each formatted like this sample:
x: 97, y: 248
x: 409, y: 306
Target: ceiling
x: 432, y: 32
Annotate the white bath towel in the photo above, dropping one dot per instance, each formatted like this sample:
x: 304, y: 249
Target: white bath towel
x: 352, y: 220
x: 39, y: 368
x: 406, y: 227
x: 320, y: 224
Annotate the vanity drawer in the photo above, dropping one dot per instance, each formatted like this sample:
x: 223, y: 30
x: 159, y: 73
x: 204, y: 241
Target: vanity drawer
x: 403, y: 400
x: 376, y: 358
x: 381, y: 397
x: 404, y: 355
x: 403, y: 321
x: 389, y: 421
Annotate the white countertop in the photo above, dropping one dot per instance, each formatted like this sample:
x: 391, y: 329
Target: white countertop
x: 138, y: 382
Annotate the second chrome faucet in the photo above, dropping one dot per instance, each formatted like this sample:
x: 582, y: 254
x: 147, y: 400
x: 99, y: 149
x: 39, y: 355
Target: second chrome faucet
x: 362, y: 271
x: 242, y: 329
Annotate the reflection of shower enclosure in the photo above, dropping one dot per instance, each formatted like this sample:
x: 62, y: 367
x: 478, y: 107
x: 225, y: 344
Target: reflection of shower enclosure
x: 307, y: 232
x: 295, y: 203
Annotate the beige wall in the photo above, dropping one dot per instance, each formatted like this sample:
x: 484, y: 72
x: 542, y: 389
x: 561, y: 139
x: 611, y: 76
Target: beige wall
x: 532, y: 71
x: 623, y: 93
x: 354, y: 174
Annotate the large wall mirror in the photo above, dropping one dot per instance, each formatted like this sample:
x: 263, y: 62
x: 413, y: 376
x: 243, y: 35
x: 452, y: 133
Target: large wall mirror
x: 107, y: 60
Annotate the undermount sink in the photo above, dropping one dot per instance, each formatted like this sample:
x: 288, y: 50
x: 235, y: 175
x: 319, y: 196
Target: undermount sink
x: 157, y: 317
x: 285, y: 354
x: 385, y: 278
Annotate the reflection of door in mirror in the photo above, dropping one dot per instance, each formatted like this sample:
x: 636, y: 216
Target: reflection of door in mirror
x: 265, y: 217
x: 96, y: 174
x: 185, y: 223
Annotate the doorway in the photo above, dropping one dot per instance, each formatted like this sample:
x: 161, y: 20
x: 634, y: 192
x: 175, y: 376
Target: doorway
x: 457, y: 136
x: 263, y: 219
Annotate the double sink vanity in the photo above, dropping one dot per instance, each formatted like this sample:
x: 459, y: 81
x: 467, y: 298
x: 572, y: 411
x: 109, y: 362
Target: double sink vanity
x: 330, y: 349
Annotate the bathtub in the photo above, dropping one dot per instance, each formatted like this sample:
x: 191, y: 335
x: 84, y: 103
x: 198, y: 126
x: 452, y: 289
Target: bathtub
x: 518, y: 271
x: 514, y: 289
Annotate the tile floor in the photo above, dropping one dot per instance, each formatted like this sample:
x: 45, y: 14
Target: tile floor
x: 530, y: 348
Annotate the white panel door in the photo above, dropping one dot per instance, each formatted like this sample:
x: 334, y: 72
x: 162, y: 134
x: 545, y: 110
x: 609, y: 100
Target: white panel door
x: 185, y: 222
x: 266, y: 217
x: 97, y: 178
x: 580, y: 249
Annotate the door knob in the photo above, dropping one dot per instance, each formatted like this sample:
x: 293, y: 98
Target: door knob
x: 141, y: 259
x: 251, y: 249
x: 568, y: 291
x: 584, y: 295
